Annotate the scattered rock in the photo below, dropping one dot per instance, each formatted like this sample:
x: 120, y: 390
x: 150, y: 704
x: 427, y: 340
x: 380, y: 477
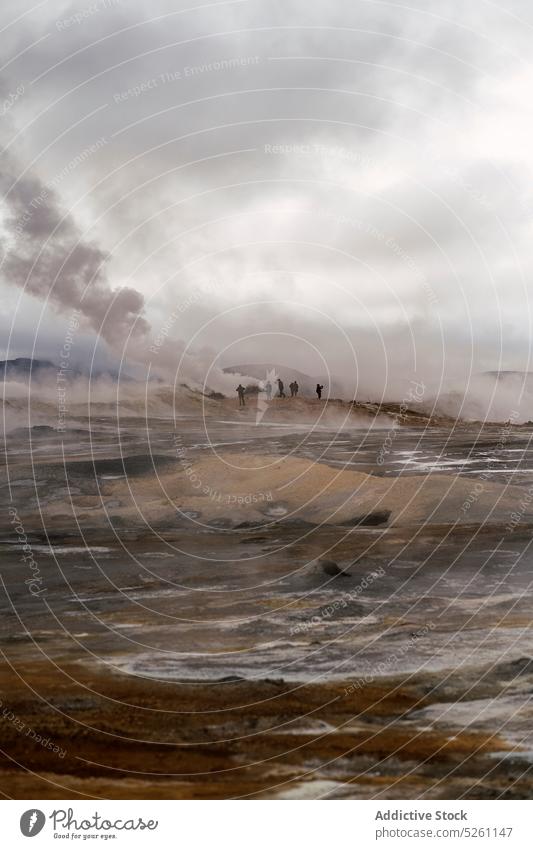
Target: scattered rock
x: 243, y: 526
x: 378, y: 517
x: 230, y: 679
x: 515, y: 668
x: 332, y: 569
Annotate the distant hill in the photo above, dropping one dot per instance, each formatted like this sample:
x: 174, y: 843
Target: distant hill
x: 23, y: 369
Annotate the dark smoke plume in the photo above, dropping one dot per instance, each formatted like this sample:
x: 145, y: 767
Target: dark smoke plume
x: 45, y: 254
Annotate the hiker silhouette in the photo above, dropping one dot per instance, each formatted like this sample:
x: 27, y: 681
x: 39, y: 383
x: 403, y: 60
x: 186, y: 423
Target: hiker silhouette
x: 318, y: 390
x: 240, y: 389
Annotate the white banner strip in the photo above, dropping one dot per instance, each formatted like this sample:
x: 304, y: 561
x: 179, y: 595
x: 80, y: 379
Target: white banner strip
x: 268, y: 824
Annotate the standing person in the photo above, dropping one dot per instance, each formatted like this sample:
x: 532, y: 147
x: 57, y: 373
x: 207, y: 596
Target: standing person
x: 291, y: 387
x: 319, y: 389
x: 296, y: 388
x: 281, y: 387
x: 268, y: 390
x: 240, y: 390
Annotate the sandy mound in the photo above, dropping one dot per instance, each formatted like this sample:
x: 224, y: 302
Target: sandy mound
x: 231, y: 489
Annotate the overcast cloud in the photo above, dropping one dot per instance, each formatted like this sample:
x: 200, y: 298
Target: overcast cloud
x: 339, y: 186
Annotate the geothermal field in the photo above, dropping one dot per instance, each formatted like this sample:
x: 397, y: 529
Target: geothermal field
x: 291, y: 600
x: 266, y: 397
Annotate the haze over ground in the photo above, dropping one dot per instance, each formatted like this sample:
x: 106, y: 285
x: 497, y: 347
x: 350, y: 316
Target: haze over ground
x: 343, y: 190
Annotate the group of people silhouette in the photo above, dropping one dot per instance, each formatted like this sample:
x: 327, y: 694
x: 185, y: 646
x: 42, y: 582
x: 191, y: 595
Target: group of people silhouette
x: 281, y: 389
x: 267, y: 388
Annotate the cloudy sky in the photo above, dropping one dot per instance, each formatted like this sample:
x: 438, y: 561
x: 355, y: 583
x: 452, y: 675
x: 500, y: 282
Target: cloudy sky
x: 341, y: 186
